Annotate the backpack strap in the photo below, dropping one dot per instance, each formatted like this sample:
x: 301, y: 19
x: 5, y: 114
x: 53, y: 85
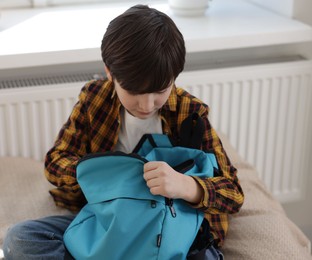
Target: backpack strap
x: 192, y: 131
x: 191, y: 135
x: 150, y: 141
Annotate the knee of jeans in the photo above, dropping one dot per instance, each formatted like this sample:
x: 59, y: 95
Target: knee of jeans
x: 15, y: 241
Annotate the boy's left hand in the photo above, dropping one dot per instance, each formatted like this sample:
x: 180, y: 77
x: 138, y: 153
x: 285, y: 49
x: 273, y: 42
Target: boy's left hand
x: 162, y: 179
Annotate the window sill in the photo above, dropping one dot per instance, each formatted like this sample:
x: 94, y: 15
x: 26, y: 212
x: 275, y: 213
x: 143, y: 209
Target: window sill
x: 76, y: 32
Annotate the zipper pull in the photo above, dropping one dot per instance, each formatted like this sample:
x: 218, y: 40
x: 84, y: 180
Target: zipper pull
x: 173, y: 212
x: 159, y: 236
x: 169, y: 203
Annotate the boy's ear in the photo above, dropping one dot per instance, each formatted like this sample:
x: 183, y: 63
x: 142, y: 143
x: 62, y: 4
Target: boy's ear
x: 108, y: 74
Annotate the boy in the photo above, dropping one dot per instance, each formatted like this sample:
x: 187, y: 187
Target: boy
x: 143, y: 53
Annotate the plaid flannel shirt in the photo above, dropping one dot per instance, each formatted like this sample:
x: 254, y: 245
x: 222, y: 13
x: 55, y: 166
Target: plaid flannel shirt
x: 93, y: 126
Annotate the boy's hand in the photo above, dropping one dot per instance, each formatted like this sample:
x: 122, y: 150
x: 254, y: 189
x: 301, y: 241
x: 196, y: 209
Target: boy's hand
x: 163, y: 180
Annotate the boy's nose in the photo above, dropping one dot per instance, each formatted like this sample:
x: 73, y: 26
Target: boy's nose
x: 146, y: 103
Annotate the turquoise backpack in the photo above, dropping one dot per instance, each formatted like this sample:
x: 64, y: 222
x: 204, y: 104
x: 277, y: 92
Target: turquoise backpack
x: 122, y: 219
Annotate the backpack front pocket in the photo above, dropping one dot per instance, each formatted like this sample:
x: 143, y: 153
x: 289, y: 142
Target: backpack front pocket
x: 111, y: 233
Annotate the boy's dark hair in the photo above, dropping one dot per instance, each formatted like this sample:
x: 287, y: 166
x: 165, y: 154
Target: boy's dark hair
x: 143, y: 49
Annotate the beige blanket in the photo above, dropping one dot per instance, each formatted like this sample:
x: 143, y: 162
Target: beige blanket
x: 261, y: 230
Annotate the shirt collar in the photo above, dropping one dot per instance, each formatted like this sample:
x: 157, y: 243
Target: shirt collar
x: 113, y: 95
x: 171, y: 103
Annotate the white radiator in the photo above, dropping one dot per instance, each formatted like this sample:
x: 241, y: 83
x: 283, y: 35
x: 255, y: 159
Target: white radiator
x: 265, y: 110
x: 31, y: 117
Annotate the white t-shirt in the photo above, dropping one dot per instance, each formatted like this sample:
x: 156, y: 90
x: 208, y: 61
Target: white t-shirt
x: 133, y: 128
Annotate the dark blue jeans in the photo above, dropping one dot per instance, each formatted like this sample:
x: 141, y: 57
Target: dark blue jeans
x: 37, y: 239
x: 43, y: 239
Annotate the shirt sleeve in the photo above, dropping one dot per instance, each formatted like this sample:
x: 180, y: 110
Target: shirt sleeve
x: 62, y: 158
x: 222, y: 193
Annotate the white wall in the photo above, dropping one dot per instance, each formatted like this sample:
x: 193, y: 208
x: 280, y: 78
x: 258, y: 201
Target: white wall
x: 302, y: 12
x: 301, y: 212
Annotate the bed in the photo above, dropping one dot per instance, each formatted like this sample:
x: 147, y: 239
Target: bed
x: 261, y: 230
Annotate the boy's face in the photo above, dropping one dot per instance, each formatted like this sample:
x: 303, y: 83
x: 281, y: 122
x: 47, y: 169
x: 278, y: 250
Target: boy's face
x: 144, y: 105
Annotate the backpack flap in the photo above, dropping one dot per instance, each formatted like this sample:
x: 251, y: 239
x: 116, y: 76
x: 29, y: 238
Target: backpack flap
x: 112, y: 175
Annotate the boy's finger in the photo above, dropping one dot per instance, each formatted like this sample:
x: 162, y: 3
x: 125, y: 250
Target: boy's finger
x: 150, y: 166
x: 149, y: 174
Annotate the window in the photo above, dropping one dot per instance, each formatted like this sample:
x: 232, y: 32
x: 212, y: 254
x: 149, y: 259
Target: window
x: 14, y: 3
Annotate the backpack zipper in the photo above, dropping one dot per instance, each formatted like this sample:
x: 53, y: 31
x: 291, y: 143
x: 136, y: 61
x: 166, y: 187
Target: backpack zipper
x: 169, y: 203
x: 110, y: 153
